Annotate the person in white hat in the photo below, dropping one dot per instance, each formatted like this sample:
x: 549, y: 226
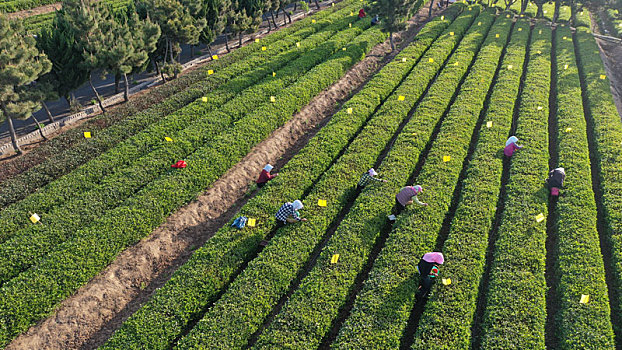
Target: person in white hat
x: 367, y: 178
x: 265, y: 176
x: 288, y: 213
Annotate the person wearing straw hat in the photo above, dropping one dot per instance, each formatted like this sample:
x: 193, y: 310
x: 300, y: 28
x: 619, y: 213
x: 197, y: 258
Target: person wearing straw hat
x: 265, y: 176
x: 367, y: 178
x: 556, y: 180
x: 288, y: 213
x: 511, y: 146
x: 407, y: 195
x: 428, y: 268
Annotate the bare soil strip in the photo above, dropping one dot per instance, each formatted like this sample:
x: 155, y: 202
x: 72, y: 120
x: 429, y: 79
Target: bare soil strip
x: 35, y: 11
x: 611, y: 54
x: 88, y: 318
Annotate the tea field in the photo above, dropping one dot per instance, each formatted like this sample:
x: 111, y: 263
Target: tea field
x: 521, y: 271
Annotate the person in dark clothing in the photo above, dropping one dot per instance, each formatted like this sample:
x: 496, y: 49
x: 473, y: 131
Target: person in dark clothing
x: 375, y: 20
x: 428, y: 271
x: 555, y: 180
x: 265, y: 176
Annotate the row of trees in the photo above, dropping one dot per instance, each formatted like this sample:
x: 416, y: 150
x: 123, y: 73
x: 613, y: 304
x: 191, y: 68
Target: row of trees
x: 88, y: 37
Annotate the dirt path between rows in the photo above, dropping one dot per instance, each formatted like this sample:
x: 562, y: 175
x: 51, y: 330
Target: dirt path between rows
x: 95, y: 311
x: 35, y: 11
x: 611, y: 54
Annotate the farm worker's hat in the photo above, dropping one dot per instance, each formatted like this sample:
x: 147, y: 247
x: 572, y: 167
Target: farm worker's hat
x: 554, y: 191
x: 511, y: 140
x: 268, y: 168
x: 434, y: 257
x: 372, y: 172
x: 297, y: 205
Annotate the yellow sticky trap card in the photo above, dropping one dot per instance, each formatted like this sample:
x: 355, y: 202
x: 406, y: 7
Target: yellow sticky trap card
x: 215, y: 57
x: 349, y: 110
x: 479, y: 23
x: 520, y: 29
x: 168, y: 139
x: 351, y: 13
x: 507, y: 16
x: 210, y: 72
x: 470, y: 8
x: 539, y: 52
x: 446, y: 281
x: 540, y: 31
x: 321, y: 202
x: 442, y: 18
x: 34, y: 218
x: 565, y: 66
x: 489, y: 124
x: 344, y: 49
x: 602, y: 77
x: 204, y: 99
x: 274, y: 74
x: 564, y: 38
x: 332, y: 5
x: 431, y: 60
x: 568, y: 129
x: 263, y: 48
x: 252, y: 222
x: 540, y: 217
x: 401, y: 98
x: 510, y: 66
x: 404, y: 59
x: 539, y: 108
x: 350, y: 25
x: 451, y: 33
x: 272, y: 99
x: 496, y: 35
x: 256, y: 40
x: 87, y: 134
x: 446, y: 159
x: 334, y: 259
x: 585, y: 298
x: 298, y: 44
x: 312, y: 21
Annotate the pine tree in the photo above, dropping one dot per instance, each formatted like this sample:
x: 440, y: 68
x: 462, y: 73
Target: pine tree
x: 393, y: 15
x: 83, y: 17
x: 123, y: 44
x: 21, y: 64
x: 177, y: 26
x: 58, y: 43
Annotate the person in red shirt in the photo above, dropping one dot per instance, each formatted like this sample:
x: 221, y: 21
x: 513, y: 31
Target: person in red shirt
x: 265, y: 176
x: 362, y: 14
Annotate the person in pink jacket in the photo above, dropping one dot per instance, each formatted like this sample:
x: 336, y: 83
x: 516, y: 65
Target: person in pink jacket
x: 511, y: 146
x: 407, y: 195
